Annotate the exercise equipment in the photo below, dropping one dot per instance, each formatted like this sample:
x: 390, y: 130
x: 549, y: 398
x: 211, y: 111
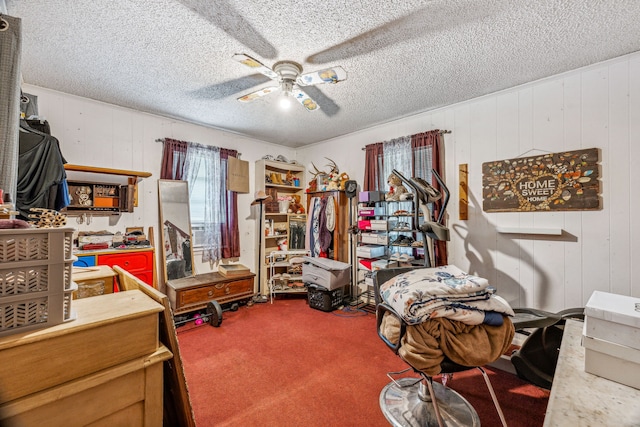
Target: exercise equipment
x: 536, y: 359
x: 212, y: 315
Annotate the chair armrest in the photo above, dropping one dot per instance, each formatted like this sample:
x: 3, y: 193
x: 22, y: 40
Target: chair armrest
x: 381, y: 309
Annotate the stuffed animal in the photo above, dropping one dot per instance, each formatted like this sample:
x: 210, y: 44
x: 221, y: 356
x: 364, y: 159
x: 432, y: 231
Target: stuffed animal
x: 344, y: 177
x: 295, y: 206
x: 334, y: 181
x: 397, y: 191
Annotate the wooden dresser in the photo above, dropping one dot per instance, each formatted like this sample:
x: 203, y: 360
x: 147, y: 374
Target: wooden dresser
x: 193, y: 293
x: 104, y: 368
x: 137, y: 261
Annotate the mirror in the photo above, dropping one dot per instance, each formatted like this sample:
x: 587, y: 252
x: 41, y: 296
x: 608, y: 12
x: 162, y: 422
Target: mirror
x: 177, y: 252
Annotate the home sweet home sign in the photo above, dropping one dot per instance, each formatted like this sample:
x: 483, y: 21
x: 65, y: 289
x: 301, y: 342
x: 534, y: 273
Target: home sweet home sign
x: 549, y: 182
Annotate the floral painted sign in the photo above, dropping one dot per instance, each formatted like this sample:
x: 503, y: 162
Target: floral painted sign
x: 548, y: 182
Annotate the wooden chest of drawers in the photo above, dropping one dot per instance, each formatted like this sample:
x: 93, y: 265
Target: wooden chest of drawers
x: 139, y: 261
x: 193, y: 293
x: 103, y: 368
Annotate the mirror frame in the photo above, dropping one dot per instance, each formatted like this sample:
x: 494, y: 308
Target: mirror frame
x: 180, y: 196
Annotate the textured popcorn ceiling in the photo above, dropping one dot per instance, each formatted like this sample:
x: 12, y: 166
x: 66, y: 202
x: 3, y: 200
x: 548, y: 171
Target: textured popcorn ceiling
x: 173, y: 57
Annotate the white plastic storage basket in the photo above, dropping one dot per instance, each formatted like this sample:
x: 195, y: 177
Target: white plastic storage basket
x: 35, y: 278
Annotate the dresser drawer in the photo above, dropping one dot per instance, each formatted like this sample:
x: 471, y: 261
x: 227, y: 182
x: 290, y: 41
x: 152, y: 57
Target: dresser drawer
x: 220, y: 292
x: 131, y: 262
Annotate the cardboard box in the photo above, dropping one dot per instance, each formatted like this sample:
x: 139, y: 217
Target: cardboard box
x: 371, y: 196
x: 377, y: 211
x: 612, y: 361
x: 613, y: 318
x: 373, y: 238
x: 232, y: 270
x: 370, y: 251
x: 95, y: 238
x: 365, y: 264
x: 381, y: 264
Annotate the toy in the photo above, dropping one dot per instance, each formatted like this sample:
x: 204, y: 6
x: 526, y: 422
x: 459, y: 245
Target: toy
x: 334, y: 181
x: 397, y: 192
x: 290, y: 178
x: 344, y: 177
x: 295, y: 206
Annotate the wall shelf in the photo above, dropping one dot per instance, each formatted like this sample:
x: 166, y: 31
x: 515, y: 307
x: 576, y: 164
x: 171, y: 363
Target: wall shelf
x: 123, y: 199
x: 530, y: 230
x: 106, y: 171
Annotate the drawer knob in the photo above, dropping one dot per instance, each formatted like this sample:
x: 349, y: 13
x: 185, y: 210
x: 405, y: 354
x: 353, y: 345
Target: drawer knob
x: 210, y: 293
x: 227, y: 290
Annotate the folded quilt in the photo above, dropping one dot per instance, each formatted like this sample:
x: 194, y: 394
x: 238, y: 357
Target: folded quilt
x: 425, y: 346
x: 427, y: 293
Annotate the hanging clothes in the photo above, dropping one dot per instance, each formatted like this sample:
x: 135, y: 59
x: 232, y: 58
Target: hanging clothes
x: 326, y: 235
x: 42, y: 180
x: 314, y: 227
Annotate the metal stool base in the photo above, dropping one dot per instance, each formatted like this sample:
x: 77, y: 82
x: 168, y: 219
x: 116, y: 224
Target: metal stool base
x: 401, y: 404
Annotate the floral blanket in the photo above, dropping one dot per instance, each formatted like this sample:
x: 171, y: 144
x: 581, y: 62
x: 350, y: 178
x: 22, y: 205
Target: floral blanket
x: 448, y: 292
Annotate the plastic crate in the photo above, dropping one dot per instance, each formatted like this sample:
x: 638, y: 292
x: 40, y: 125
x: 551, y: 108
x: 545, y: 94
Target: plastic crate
x: 35, y: 278
x: 323, y: 299
x: 50, y: 244
x: 38, y: 311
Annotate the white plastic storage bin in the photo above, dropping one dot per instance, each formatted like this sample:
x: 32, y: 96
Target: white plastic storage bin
x: 328, y: 273
x: 613, y: 317
x: 370, y: 251
x: 35, y: 278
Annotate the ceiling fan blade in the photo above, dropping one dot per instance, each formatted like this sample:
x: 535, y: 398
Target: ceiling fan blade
x: 229, y: 87
x: 258, y: 94
x: 225, y: 16
x: 305, y: 100
x: 328, y: 75
x: 255, y: 65
x: 326, y: 104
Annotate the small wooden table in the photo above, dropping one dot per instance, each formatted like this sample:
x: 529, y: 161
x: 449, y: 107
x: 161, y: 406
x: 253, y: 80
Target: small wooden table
x: 193, y: 293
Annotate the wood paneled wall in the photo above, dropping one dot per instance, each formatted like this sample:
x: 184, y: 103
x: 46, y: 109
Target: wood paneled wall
x: 596, y: 106
x: 98, y: 134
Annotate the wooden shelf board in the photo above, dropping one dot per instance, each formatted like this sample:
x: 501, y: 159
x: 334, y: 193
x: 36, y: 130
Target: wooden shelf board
x: 107, y: 171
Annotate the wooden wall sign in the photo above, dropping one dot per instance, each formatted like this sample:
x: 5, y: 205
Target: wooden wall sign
x: 463, y: 179
x: 549, y: 182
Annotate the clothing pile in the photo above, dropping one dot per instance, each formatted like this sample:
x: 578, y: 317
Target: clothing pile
x: 448, y: 313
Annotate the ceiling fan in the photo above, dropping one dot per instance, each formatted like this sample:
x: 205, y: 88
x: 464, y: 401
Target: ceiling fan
x: 289, y: 76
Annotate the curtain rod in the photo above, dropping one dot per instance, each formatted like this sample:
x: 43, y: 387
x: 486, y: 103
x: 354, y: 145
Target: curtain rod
x: 440, y: 132
x: 162, y: 140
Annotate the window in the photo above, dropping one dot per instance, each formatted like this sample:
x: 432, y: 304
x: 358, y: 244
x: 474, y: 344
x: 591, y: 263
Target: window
x: 213, y: 209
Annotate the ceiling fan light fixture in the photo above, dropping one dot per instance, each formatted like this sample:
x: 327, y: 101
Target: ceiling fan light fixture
x: 285, y: 101
x: 286, y: 86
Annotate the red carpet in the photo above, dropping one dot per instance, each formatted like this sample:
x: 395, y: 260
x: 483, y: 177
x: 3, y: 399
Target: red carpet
x: 285, y: 364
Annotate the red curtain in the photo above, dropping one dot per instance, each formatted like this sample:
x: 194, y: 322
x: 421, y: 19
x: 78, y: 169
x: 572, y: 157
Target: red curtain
x: 432, y: 139
x: 173, y: 157
x: 372, y: 166
x: 230, y: 232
